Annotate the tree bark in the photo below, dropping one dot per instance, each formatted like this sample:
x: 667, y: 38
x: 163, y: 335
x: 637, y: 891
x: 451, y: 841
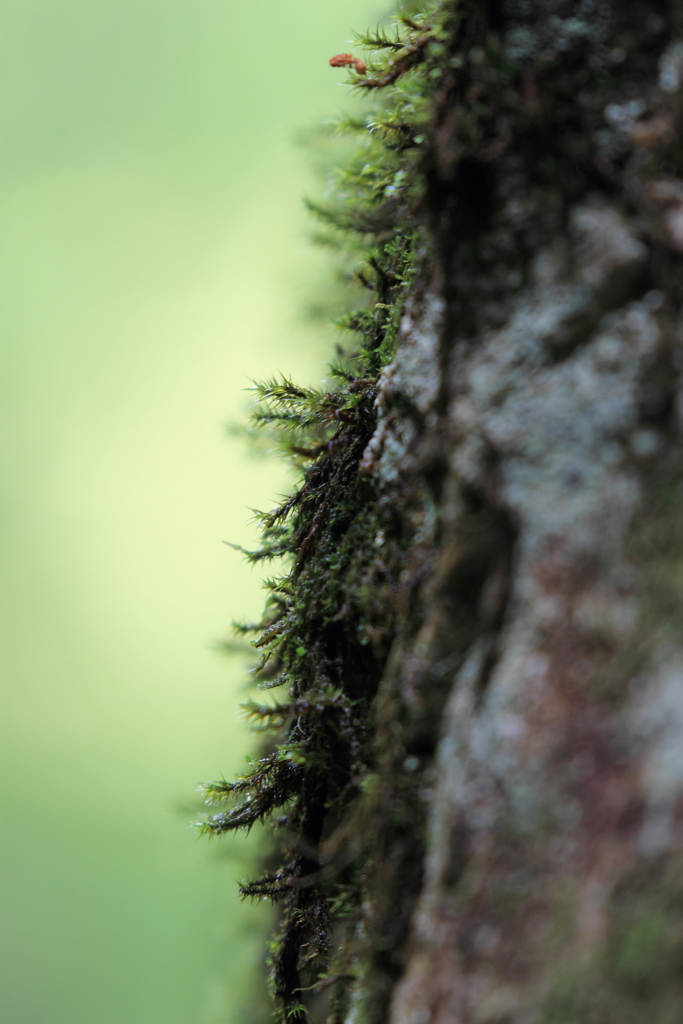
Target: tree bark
x: 531, y: 424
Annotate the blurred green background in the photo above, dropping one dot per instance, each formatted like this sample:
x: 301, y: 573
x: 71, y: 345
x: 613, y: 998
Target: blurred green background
x: 152, y: 260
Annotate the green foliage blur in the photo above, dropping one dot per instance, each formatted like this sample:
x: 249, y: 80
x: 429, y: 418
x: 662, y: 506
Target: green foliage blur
x: 152, y: 259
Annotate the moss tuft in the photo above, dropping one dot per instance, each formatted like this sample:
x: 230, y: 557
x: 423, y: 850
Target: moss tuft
x: 329, y: 617
x: 477, y: 109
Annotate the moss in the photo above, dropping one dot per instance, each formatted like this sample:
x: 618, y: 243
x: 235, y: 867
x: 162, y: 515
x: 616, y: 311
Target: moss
x: 638, y: 973
x: 479, y: 109
x: 330, y: 617
x: 656, y: 547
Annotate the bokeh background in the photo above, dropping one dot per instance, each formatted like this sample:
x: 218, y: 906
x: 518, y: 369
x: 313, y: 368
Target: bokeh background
x: 152, y: 260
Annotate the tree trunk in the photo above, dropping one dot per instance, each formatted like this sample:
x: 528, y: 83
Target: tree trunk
x: 532, y: 707
x: 483, y: 629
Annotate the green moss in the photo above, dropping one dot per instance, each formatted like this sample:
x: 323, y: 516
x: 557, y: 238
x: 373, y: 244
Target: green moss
x: 474, y: 105
x: 646, y: 953
x: 637, y: 974
x: 656, y: 547
x: 329, y: 618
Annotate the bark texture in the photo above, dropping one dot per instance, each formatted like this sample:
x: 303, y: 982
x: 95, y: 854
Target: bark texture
x: 532, y: 706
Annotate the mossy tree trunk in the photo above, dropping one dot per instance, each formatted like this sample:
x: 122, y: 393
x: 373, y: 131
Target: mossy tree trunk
x: 483, y: 629
x: 534, y: 698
